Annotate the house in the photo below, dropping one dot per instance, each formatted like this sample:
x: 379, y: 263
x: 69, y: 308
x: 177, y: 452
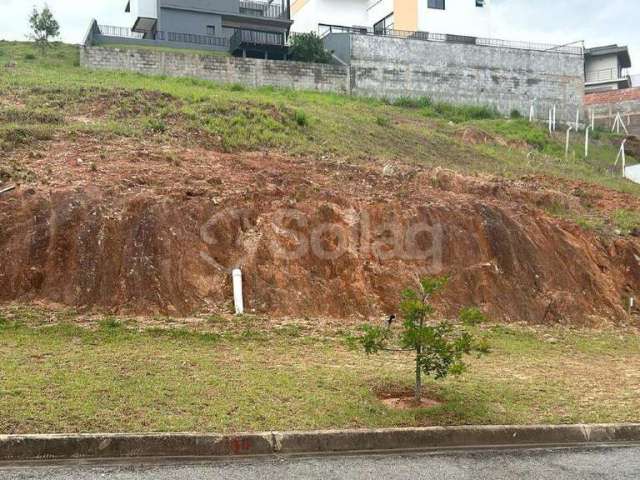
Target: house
x: 606, y: 68
x: 247, y: 28
x: 457, y: 17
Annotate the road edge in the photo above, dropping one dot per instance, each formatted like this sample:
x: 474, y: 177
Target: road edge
x: 175, y: 445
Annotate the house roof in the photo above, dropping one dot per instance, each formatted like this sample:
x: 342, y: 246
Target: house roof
x: 621, y: 52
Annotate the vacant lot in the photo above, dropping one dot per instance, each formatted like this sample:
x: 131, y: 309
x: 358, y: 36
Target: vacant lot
x: 48, y: 97
x: 65, y: 373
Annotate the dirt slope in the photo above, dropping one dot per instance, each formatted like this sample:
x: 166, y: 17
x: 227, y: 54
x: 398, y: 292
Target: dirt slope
x: 149, y: 231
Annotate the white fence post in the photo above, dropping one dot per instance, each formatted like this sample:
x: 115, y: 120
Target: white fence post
x: 566, y: 147
x: 586, y: 141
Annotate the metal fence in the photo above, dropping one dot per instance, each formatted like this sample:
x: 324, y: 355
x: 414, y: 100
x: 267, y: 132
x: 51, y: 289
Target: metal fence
x: 573, y: 49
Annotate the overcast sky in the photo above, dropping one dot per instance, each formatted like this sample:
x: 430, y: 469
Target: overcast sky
x: 551, y: 21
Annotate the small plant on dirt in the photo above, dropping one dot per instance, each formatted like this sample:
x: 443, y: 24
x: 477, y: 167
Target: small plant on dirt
x: 382, y: 121
x: 155, y: 125
x: 43, y: 27
x: 110, y: 323
x: 626, y: 221
x: 439, y: 346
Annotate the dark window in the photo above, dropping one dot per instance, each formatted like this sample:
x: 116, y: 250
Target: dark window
x: 479, y: 3
x: 211, y: 30
x: 438, y: 4
x: 383, y: 26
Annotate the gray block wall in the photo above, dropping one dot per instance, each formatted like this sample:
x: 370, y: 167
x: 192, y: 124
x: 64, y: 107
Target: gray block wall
x: 505, y: 78
x: 246, y: 71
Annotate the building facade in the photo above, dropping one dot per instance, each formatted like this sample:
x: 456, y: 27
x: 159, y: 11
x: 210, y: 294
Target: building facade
x: 606, y: 68
x: 456, y: 17
x: 254, y: 28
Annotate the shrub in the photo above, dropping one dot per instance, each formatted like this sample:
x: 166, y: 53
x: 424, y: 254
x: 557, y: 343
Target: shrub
x: 308, y: 47
x: 237, y: 87
x: 472, y: 316
x: 439, y: 346
x: 29, y: 56
x: 301, y: 118
x: 515, y: 114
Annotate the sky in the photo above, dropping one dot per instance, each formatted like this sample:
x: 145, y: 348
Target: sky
x: 596, y: 22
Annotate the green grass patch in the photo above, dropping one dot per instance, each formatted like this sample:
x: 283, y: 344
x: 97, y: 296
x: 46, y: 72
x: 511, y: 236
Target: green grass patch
x: 246, y: 373
x: 16, y: 115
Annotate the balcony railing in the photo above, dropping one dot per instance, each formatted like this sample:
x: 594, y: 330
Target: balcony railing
x: 606, y: 75
x: 325, y: 29
x: 189, y: 38
x: 121, y: 32
x: 263, y: 9
x: 252, y: 37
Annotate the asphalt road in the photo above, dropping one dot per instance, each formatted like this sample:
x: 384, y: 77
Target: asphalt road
x: 539, y: 464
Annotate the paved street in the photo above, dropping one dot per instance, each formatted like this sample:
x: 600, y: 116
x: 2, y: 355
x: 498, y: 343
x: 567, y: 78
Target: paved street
x: 579, y: 464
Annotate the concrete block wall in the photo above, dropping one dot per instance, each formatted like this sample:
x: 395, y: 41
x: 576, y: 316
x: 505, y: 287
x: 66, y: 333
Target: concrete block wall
x: 246, y: 71
x: 505, y: 78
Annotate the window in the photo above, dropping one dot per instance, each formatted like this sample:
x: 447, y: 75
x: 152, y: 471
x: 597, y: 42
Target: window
x: 383, y: 26
x: 437, y: 4
x: 211, y: 30
x: 480, y: 3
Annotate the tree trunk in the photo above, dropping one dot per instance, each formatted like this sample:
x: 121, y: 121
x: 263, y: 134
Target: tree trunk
x: 418, y: 376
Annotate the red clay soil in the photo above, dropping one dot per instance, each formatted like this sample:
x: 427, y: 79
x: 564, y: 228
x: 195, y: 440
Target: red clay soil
x: 142, y: 230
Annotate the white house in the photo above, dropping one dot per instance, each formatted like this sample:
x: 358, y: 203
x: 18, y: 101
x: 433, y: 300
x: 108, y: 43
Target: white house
x: 457, y: 17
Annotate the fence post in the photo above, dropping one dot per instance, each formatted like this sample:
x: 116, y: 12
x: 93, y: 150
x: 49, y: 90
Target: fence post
x: 586, y: 141
x: 566, y: 147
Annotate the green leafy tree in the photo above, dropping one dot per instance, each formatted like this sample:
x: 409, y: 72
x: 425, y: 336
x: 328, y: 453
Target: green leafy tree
x: 308, y: 47
x: 43, y: 27
x: 440, y: 347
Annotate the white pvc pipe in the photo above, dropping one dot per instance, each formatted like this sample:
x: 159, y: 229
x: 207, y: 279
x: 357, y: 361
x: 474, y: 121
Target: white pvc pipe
x: 238, y: 301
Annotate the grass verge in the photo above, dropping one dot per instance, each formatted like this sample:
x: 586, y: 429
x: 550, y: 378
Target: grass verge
x: 230, y: 375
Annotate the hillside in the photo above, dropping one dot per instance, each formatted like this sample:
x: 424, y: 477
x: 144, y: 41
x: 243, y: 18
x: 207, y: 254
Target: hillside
x: 138, y: 194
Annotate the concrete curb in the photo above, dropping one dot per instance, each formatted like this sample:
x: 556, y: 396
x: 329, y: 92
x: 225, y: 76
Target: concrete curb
x: 96, y: 446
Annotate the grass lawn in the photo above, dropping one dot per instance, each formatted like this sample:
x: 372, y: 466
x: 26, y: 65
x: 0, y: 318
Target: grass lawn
x: 60, y: 373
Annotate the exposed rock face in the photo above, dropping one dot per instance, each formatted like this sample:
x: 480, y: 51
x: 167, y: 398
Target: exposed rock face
x: 311, y: 239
